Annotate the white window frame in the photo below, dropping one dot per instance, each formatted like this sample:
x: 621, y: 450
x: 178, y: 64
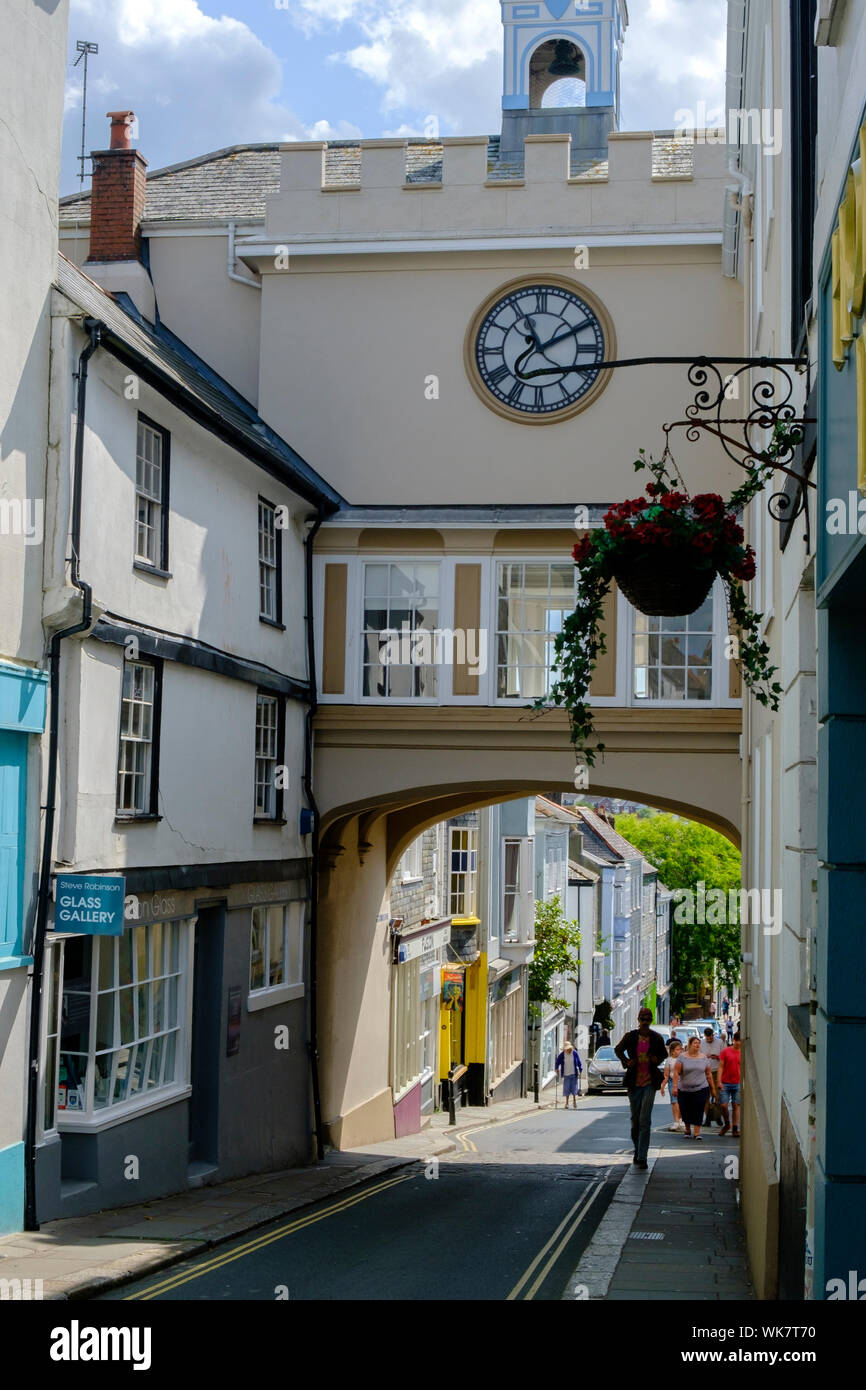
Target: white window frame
x: 407, y: 1035
x: 269, y: 562
x: 269, y: 782
x: 356, y: 639
x: 512, y: 938
x: 88, y: 1119
x: 501, y: 560
x: 134, y: 742
x: 469, y: 875
x: 50, y: 1028
x: 411, y: 862
x: 719, y: 667
x: 287, y: 917
x: 148, y: 496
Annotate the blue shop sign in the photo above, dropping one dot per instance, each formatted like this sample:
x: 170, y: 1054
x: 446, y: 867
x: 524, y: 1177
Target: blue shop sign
x: 90, y: 904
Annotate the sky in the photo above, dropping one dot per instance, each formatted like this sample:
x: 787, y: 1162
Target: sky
x: 203, y: 74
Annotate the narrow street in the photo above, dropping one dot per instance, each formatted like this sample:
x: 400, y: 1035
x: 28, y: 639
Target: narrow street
x: 506, y: 1217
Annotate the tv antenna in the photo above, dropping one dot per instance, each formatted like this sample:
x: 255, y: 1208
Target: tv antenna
x: 83, y: 49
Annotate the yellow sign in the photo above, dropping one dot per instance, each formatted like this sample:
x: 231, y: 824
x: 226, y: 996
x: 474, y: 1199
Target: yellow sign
x: 848, y: 251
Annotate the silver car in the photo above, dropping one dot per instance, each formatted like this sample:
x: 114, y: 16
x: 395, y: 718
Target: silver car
x: 605, y: 1072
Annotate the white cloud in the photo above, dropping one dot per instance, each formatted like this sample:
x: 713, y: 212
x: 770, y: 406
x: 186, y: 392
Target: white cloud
x: 445, y: 57
x: 195, y: 82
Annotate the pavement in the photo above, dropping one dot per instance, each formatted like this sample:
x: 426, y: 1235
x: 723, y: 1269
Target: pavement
x: 79, y: 1257
x: 673, y: 1232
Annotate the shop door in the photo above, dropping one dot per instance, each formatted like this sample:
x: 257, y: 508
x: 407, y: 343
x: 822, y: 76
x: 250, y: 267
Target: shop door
x: 207, y: 1050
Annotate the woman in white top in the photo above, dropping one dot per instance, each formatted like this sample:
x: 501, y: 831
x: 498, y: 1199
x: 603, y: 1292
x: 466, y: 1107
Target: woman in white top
x: 693, y: 1080
x: 676, y: 1048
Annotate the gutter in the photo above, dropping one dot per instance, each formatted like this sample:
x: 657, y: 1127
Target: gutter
x: 314, y: 848
x: 233, y: 260
x: 38, y: 948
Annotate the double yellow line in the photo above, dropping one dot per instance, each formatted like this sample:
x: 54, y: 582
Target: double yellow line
x: 174, y: 1281
x: 584, y: 1202
x: 469, y: 1145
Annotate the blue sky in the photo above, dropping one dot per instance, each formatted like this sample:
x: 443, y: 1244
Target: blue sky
x: 201, y: 74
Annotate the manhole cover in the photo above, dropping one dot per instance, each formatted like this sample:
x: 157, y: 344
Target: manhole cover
x: 647, y: 1235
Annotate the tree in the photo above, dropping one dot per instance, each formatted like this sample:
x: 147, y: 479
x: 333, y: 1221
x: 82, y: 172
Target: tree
x: 557, y: 942
x: 687, y: 854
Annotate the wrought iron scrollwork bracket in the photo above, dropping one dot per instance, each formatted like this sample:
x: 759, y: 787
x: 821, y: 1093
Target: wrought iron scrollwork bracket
x: 769, y: 404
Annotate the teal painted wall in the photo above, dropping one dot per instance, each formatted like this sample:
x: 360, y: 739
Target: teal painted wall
x: 11, y: 1189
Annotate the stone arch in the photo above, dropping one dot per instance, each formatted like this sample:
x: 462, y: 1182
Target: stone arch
x: 538, y: 57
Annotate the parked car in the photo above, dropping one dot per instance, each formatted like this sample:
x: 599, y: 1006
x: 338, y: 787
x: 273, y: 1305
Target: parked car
x: 605, y: 1072
x: 714, y: 1023
x: 684, y: 1031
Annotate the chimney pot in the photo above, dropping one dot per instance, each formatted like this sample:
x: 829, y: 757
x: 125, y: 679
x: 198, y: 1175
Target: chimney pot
x: 121, y: 129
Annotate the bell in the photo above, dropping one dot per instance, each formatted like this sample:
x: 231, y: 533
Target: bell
x: 566, y: 60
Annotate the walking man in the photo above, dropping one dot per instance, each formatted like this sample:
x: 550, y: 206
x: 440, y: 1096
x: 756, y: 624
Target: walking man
x: 711, y: 1048
x: 642, y: 1053
x: 569, y: 1066
x: 729, y: 1070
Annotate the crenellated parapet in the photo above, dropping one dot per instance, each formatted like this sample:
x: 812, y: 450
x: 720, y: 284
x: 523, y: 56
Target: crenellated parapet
x: 460, y: 184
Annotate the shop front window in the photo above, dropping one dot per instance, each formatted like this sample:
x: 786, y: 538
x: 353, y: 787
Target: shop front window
x: 120, y: 1035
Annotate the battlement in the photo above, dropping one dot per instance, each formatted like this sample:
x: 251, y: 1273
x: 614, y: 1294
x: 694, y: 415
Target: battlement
x: 649, y: 180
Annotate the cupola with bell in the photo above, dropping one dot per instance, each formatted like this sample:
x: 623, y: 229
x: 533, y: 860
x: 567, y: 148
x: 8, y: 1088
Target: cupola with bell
x: 561, y: 72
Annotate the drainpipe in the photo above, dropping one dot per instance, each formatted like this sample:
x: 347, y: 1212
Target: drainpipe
x: 30, y: 1223
x: 232, y: 262
x: 314, y: 859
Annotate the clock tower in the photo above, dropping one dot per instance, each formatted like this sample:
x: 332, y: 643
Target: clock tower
x: 561, y: 72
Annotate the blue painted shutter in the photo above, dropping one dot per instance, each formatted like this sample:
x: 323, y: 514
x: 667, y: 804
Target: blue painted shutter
x: 13, y: 765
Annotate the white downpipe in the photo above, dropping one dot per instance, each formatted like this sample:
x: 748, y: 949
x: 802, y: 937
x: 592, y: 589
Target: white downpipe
x: 232, y: 261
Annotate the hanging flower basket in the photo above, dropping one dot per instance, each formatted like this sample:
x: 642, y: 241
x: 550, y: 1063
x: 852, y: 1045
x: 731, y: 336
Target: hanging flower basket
x: 664, y: 583
x: 664, y: 550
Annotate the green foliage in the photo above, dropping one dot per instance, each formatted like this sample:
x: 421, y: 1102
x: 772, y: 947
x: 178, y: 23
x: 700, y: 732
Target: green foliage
x: 557, y: 942
x: 686, y: 854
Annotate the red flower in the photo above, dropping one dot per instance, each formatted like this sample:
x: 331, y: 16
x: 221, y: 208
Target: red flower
x: 582, y: 549
x: 672, y: 501
x: 745, y: 570
x: 708, y: 506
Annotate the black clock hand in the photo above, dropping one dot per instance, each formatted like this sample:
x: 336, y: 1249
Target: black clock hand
x: 569, y: 332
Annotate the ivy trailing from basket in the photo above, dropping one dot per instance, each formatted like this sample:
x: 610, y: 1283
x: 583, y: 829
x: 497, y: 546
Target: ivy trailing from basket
x: 701, y: 534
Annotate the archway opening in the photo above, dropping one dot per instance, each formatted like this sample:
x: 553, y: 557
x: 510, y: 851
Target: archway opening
x: 568, y: 66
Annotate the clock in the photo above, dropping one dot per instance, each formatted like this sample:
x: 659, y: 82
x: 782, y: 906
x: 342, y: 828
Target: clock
x: 533, y: 348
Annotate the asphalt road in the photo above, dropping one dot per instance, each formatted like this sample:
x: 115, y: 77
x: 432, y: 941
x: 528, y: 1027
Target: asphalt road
x: 507, y: 1217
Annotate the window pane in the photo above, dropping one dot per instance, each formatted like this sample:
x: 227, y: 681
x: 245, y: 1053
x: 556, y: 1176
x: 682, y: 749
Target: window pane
x: 277, y: 974
x: 144, y: 1027
x: 126, y: 1015
x: 124, y: 950
x: 258, y: 936
x: 50, y: 1084
x: 157, y: 992
x: 102, y: 1080
x: 121, y: 1075
x: 105, y: 1022
x: 170, y: 1057
x: 156, y: 948
x: 156, y: 1050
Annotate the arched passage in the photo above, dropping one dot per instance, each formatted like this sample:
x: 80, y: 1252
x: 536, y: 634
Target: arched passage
x: 383, y: 775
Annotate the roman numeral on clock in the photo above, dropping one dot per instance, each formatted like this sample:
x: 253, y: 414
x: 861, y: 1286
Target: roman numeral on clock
x: 541, y: 301
x: 498, y: 374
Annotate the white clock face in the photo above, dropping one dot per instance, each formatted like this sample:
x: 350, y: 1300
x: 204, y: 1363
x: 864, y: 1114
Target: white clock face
x: 537, y: 350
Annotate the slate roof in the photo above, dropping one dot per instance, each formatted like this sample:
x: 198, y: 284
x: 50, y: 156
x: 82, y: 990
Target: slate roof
x: 185, y: 378
x: 234, y: 184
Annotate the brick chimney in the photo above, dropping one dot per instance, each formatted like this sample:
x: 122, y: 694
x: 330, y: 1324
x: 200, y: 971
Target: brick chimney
x: 117, y: 197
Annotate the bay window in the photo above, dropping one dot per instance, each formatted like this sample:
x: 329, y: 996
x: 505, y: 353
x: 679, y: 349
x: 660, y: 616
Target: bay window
x: 119, y: 1038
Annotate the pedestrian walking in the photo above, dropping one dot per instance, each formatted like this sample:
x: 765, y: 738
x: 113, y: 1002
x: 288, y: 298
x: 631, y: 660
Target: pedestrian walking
x: 725, y: 1005
x: 693, y: 1083
x: 729, y: 1029
x: 711, y: 1048
x: 604, y: 1038
x: 730, y: 1062
x: 642, y: 1053
x: 676, y: 1048
x: 569, y: 1066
